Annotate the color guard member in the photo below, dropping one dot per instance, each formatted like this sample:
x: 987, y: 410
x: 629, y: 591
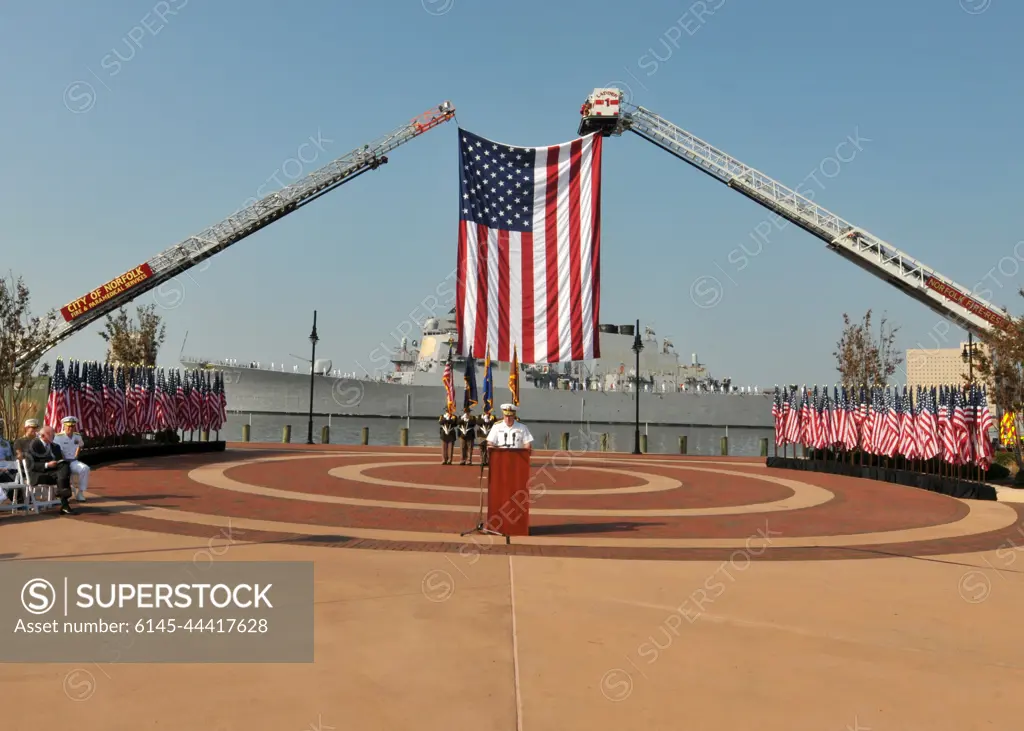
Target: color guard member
x: 467, y: 433
x: 483, y: 426
x: 448, y: 425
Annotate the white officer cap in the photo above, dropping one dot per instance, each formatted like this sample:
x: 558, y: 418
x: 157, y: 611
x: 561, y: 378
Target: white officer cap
x: 69, y: 420
x: 34, y: 423
x: 509, y: 408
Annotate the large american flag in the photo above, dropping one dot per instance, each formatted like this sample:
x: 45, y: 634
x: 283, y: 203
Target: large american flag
x: 529, y: 249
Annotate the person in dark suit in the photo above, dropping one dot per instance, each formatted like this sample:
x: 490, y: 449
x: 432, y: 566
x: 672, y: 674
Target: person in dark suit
x: 46, y: 466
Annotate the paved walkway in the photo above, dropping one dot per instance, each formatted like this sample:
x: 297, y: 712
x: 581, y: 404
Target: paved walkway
x: 653, y: 593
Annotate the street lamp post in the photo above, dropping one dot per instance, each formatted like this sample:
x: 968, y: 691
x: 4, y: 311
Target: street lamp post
x: 312, y: 371
x: 968, y: 356
x: 637, y: 347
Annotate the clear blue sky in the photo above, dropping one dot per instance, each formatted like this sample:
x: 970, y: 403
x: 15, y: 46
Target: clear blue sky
x: 213, y: 100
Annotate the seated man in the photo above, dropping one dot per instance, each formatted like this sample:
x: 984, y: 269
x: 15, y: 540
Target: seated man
x: 71, y: 443
x: 8, y: 467
x: 31, y: 432
x: 46, y: 467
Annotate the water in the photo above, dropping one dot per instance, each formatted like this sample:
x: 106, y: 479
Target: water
x: 743, y: 442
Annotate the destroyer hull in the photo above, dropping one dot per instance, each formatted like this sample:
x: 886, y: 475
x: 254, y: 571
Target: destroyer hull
x: 256, y: 391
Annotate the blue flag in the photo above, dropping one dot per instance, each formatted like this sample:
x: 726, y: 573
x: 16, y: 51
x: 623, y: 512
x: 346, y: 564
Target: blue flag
x: 488, y: 384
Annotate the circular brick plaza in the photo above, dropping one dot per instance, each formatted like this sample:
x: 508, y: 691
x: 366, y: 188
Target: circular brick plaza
x: 592, y: 505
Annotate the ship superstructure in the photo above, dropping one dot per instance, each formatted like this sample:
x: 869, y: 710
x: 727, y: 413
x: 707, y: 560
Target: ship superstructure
x: 421, y: 363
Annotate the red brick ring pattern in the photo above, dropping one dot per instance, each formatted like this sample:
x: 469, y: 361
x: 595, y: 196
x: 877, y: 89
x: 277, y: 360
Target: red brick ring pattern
x: 614, y: 506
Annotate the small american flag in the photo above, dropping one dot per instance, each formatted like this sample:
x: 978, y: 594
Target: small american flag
x: 55, y: 401
x: 181, y: 401
x: 777, y: 417
x: 985, y: 424
x: 793, y: 429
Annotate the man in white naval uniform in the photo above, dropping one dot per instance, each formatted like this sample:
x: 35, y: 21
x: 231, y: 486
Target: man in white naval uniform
x: 509, y: 433
x: 70, y: 443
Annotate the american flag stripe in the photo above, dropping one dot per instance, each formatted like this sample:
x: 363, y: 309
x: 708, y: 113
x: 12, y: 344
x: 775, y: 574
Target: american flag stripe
x: 529, y: 283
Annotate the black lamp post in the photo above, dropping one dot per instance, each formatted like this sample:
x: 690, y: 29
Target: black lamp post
x: 637, y: 347
x: 312, y: 371
x: 968, y: 356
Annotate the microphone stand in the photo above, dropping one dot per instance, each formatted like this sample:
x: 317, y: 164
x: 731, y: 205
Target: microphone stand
x: 480, y: 527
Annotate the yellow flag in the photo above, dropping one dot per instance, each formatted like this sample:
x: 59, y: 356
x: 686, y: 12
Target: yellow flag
x: 513, y: 376
x: 1008, y: 428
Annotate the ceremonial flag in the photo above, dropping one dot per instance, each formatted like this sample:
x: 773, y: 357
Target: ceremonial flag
x: 488, y: 384
x: 529, y: 245
x: 449, y: 387
x: 470, y: 379
x: 513, y: 376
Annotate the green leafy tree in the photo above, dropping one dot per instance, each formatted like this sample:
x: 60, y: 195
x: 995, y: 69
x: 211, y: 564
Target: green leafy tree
x: 864, y: 358
x: 21, y: 393
x: 134, y: 343
x: 1000, y: 363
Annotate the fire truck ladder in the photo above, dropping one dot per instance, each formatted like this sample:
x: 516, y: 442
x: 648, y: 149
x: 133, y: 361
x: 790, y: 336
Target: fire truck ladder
x: 855, y: 244
x: 185, y: 255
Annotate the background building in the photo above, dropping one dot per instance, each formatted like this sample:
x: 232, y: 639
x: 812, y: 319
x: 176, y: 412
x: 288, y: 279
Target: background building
x: 940, y: 367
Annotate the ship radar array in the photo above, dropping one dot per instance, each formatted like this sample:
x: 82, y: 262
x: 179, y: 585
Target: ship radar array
x: 604, y: 112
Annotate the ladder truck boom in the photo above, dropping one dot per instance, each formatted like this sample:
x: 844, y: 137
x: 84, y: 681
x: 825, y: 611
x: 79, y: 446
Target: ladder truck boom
x: 166, y: 265
x: 606, y: 113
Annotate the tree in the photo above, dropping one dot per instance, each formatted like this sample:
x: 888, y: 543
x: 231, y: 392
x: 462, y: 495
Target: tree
x: 130, y: 343
x: 863, y: 360
x: 20, y: 397
x: 1001, y: 363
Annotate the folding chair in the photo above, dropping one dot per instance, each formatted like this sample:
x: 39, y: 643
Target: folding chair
x: 37, y: 497
x: 19, y: 492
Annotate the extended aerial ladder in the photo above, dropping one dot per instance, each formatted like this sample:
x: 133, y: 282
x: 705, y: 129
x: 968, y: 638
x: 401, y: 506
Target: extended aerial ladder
x: 606, y: 113
x: 168, y: 264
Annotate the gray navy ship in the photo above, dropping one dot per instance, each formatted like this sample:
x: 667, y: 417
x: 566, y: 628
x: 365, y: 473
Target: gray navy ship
x: 600, y: 391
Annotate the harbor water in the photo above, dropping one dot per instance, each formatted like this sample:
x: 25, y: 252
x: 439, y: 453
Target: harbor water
x: 743, y: 442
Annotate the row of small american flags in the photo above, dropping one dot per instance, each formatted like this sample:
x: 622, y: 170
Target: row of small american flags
x: 113, y: 400
x: 950, y: 423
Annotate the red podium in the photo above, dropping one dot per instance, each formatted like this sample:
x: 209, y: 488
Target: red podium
x: 508, y: 497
